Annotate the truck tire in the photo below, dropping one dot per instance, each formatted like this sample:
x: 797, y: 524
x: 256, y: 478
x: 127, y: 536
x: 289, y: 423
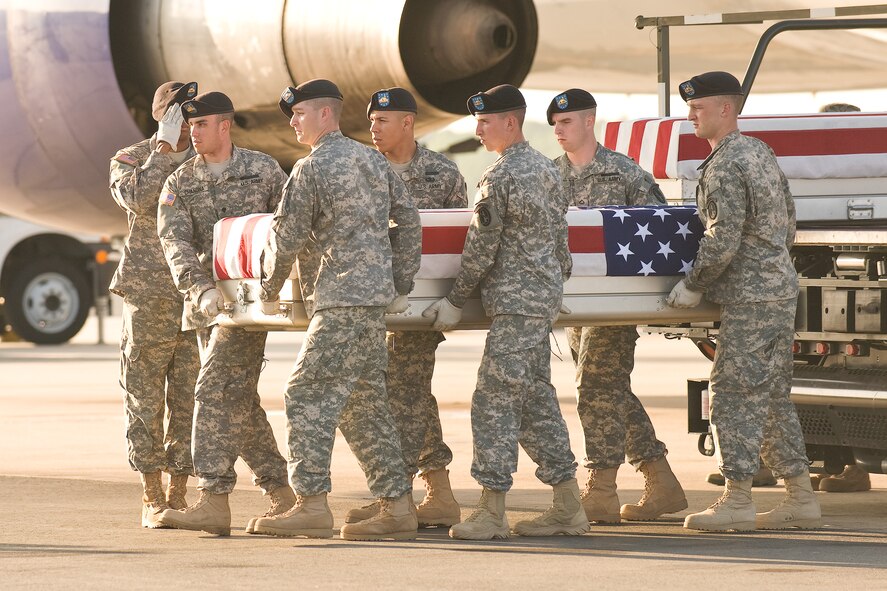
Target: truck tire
x: 48, y: 301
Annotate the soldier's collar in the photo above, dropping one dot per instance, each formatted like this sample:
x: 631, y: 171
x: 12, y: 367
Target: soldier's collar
x: 415, y: 163
x: 235, y: 167
x: 233, y: 170
x: 327, y: 137
x: 724, y: 141
x: 568, y: 170
x: 516, y: 147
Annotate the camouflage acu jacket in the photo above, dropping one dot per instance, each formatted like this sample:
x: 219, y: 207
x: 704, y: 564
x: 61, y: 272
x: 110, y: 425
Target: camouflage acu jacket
x: 749, y: 217
x: 434, y: 181
x: 137, y: 176
x: 193, y: 200
x: 516, y: 249
x: 610, y: 179
x: 347, y: 218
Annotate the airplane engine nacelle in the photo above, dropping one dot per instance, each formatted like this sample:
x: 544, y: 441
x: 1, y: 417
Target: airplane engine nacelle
x: 77, y: 78
x: 443, y: 51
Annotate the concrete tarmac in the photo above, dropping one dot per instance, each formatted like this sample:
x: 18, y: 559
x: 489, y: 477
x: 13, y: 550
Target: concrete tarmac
x: 70, y: 504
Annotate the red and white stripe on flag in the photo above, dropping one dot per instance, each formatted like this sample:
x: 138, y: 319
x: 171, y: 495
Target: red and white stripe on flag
x: 444, y: 232
x: 238, y: 243
x: 814, y: 146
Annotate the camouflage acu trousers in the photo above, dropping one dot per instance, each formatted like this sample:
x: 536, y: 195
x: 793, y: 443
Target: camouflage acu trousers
x: 613, y: 419
x: 410, y: 369
x: 515, y: 403
x: 229, y: 420
x: 158, y: 368
x: 339, y: 380
x: 751, y: 413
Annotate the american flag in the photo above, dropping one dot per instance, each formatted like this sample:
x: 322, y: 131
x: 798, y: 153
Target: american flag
x: 650, y: 240
x: 615, y: 241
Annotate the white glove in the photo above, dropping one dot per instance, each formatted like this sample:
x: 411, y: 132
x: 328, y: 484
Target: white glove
x: 446, y: 315
x: 271, y: 308
x: 398, y: 305
x: 565, y: 309
x: 211, y: 302
x: 683, y: 297
x: 169, y: 129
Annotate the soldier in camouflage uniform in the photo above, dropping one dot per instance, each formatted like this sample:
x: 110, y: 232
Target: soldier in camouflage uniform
x: 516, y: 252
x: 433, y: 182
x: 348, y: 220
x: 613, y: 419
x: 744, y: 265
x: 158, y: 360
x: 222, y: 181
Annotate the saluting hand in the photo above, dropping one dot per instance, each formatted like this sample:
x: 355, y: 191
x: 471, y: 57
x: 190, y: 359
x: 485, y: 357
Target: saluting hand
x: 169, y: 129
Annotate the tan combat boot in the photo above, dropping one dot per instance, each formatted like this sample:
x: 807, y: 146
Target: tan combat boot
x: 799, y: 508
x: 210, y: 513
x: 153, y: 501
x: 310, y: 516
x: 439, y: 507
x: 599, y: 498
x: 735, y: 510
x: 662, y: 493
x: 282, y: 500
x: 487, y: 522
x: 396, y: 520
x: 175, y: 491
x: 763, y: 477
x: 852, y: 479
x: 816, y: 479
x: 566, y: 516
x: 363, y: 513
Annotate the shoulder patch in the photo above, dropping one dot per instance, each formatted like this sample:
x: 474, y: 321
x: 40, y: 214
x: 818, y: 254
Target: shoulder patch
x: 167, y: 198
x: 483, y: 214
x: 125, y: 158
x: 486, y: 215
x: 711, y: 208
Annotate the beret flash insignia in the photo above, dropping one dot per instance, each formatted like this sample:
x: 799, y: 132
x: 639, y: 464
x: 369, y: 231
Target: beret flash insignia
x: 384, y: 99
x: 190, y: 108
x: 192, y: 90
x: 288, y: 96
x: 478, y: 102
x: 688, y: 89
x: 562, y: 101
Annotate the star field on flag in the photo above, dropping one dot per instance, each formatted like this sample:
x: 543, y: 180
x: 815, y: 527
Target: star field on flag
x: 650, y: 240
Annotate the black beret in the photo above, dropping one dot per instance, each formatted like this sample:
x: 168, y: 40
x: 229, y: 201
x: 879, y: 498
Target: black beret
x: 392, y: 99
x: 574, y: 99
x: 208, y: 103
x: 317, y: 88
x: 710, y: 84
x: 498, y: 99
x: 169, y: 93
